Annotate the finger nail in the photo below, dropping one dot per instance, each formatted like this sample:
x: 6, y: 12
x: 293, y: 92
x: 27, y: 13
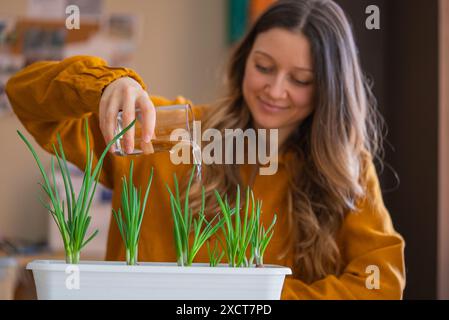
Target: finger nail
x: 147, y: 148
x: 129, y: 150
x: 147, y: 138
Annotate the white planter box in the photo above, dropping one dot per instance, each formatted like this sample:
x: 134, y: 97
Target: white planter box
x: 154, y: 280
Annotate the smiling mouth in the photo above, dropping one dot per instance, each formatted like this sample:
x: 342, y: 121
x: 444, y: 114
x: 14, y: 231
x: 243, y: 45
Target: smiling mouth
x: 271, y: 106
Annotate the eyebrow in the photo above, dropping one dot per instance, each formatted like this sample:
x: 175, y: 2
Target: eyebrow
x: 267, y: 55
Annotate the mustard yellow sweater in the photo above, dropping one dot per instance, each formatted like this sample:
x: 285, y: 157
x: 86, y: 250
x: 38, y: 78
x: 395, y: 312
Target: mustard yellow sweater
x: 51, y: 97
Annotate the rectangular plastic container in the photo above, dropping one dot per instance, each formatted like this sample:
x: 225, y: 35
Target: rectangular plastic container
x: 155, y: 281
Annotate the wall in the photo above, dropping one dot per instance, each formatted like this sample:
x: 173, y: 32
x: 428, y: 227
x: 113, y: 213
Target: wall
x: 443, y: 222
x: 181, y: 52
x: 412, y: 116
x: 402, y: 59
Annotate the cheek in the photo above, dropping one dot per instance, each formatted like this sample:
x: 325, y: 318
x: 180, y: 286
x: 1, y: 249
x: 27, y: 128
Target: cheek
x: 252, y: 82
x: 303, y: 100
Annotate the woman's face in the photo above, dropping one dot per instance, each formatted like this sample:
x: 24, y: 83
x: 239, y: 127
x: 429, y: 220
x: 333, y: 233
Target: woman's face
x: 278, y: 84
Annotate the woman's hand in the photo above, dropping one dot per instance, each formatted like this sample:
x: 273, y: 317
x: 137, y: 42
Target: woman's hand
x: 126, y: 94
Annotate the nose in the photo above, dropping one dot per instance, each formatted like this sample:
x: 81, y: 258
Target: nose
x: 276, y: 89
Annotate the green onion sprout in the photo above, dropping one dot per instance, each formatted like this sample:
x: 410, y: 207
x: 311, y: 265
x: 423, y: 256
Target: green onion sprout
x: 133, y: 210
x: 237, y: 233
x: 74, y: 223
x: 184, y: 223
x: 215, y: 256
x: 261, y: 237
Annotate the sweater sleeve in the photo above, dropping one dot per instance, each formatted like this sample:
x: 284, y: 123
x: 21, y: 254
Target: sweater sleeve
x: 50, y: 97
x: 371, y: 250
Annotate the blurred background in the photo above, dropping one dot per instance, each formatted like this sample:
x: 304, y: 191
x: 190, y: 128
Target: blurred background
x: 180, y: 47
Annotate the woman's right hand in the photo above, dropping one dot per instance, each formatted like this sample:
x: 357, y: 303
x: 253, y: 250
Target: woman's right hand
x: 126, y: 94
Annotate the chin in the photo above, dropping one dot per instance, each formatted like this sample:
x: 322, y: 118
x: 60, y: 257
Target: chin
x: 263, y: 122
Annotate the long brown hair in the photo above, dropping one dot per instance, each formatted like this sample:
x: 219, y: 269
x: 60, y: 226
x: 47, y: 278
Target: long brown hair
x: 329, y: 147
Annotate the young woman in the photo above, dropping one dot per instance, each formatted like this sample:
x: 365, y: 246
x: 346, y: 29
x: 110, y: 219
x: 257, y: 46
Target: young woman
x: 297, y: 71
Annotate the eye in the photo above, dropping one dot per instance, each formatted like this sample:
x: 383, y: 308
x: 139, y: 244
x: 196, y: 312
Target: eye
x: 300, y: 83
x: 263, y: 69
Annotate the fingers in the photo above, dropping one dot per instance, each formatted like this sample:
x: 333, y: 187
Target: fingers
x: 148, y: 121
x: 101, y: 113
x: 147, y: 147
x: 128, y: 116
x: 108, y: 117
x: 126, y: 94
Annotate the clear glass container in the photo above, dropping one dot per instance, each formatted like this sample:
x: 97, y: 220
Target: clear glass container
x: 168, y: 119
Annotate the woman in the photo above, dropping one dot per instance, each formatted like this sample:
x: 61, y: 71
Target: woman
x: 297, y: 70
